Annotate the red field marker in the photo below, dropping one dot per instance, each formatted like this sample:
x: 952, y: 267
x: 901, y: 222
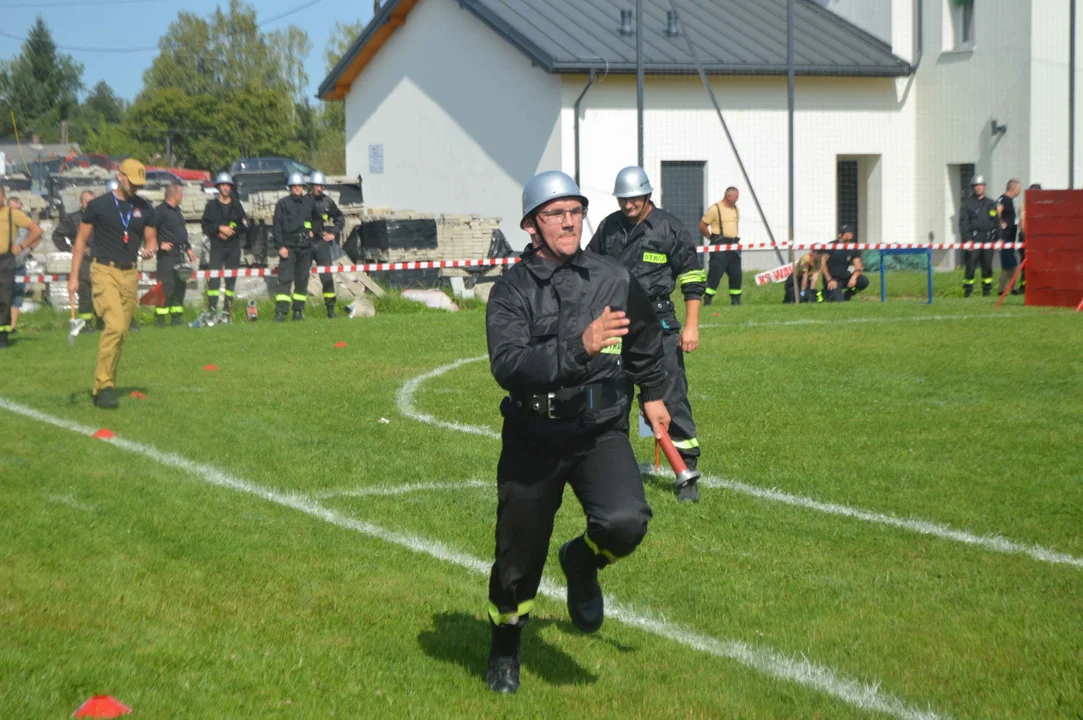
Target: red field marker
x: 102, y: 706
x: 716, y: 315
x: 137, y: 395
x: 340, y: 344
x: 104, y: 434
x: 210, y: 368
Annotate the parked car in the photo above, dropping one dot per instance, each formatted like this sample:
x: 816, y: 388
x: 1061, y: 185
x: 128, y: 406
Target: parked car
x: 183, y: 173
x: 269, y: 164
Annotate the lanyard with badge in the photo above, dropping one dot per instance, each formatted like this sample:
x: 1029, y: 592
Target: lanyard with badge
x: 124, y: 220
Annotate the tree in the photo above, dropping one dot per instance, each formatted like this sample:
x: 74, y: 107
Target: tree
x: 41, y: 85
x: 104, y: 103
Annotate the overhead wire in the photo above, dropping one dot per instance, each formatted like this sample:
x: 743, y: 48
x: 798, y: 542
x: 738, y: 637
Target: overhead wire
x: 152, y: 48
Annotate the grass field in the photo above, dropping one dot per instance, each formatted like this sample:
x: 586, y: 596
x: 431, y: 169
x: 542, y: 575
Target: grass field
x: 892, y: 523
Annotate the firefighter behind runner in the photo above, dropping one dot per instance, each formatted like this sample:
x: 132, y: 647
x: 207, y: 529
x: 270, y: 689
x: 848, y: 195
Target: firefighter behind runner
x: 295, y: 224
x: 121, y: 221
x: 720, y: 227
x: 11, y: 221
x: 979, y: 223
x: 224, y: 220
x: 334, y: 222
x: 564, y: 327
x: 64, y: 238
x: 175, y: 256
x: 658, y: 252
x: 1009, y: 229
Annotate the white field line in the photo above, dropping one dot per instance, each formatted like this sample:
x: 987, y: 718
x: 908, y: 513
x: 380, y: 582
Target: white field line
x: 408, y: 406
x: 394, y: 490
x: 994, y: 543
x: 861, y: 321
x: 797, y: 669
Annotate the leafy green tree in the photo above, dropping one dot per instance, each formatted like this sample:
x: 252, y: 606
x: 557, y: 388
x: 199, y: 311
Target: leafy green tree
x: 40, y: 85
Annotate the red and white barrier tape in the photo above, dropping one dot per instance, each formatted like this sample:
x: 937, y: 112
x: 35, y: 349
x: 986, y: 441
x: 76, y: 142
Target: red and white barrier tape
x: 491, y: 262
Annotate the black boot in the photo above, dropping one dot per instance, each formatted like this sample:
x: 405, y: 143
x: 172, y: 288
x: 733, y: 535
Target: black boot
x: 708, y: 298
x: 176, y: 320
x: 502, y: 675
x: 586, y: 606
x: 297, y: 315
x: 735, y: 299
x: 161, y: 322
x: 968, y: 290
x: 331, y: 310
x: 280, y: 316
x: 106, y: 399
x: 3, y: 341
x: 986, y: 289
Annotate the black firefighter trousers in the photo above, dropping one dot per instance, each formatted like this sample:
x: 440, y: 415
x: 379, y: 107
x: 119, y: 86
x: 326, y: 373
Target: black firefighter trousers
x: 321, y: 253
x: 972, y: 258
x: 726, y: 263
x: 293, y: 272
x: 224, y: 254
x: 533, y: 470
x: 682, y: 428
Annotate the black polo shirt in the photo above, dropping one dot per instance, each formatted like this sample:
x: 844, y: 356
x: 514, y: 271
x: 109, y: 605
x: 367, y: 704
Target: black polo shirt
x: 839, y: 261
x: 171, y: 229
x: 108, y: 213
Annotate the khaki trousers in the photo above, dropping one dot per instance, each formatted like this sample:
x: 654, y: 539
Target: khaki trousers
x: 115, y: 297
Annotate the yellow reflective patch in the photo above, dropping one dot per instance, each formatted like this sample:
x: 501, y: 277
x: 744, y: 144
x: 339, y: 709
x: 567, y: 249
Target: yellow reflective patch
x: 992, y: 213
x: 658, y: 258
x: 597, y: 550
x: 500, y: 618
x: 613, y: 349
x: 308, y: 225
x: 325, y: 216
x: 692, y: 276
x: 233, y: 224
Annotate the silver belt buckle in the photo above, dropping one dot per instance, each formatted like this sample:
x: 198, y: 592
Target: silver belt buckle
x: 549, y: 408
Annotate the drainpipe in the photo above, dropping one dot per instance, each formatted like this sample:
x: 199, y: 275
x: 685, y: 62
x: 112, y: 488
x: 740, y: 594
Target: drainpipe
x: 920, y: 36
x: 578, y: 102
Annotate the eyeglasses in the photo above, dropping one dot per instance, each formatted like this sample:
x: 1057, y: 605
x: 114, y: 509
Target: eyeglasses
x: 555, y: 216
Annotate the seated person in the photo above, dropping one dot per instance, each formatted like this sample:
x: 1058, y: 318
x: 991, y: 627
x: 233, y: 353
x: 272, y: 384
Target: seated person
x: 840, y: 281
x: 806, y: 272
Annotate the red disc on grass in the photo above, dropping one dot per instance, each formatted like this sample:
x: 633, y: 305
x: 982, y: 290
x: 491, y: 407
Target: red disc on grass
x: 210, y: 368
x: 105, y: 434
x: 137, y: 395
x: 715, y: 315
x: 340, y: 344
x: 102, y: 706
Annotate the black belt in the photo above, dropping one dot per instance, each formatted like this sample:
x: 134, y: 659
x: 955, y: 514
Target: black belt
x: 566, y: 403
x: 114, y: 263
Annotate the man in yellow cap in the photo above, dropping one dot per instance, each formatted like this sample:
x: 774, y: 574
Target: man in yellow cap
x: 123, y: 227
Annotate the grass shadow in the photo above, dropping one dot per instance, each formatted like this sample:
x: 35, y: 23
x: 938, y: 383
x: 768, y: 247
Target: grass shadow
x: 463, y: 639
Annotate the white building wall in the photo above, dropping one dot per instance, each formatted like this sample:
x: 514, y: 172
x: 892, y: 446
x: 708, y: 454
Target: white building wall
x: 959, y: 93
x: 872, y: 16
x: 1048, y: 75
x: 464, y: 119
x: 834, y: 117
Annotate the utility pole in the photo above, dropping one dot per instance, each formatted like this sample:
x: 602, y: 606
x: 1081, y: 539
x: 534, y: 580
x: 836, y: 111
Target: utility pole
x: 639, y: 75
x: 790, y: 102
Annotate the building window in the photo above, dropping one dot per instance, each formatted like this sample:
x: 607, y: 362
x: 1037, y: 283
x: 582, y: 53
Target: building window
x: 961, y: 14
x: 847, y: 194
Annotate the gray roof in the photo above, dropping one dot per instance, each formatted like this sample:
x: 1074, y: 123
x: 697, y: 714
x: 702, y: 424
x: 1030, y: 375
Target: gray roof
x: 735, y: 37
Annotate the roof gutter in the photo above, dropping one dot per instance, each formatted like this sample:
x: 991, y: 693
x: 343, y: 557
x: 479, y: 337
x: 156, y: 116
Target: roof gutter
x: 578, y: 101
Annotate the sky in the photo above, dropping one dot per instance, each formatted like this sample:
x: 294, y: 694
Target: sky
x: 111, y: 24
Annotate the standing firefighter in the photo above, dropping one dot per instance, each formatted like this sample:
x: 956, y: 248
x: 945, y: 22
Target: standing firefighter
x: 979, y: 223
x: 11, y: 220
x: 175, y: 256
x: 121, y: 221
x: 658, y: 252
x: 223, y: 222
x: 720, y: 226
x: 295, y: 224
x: 334, y: 222
x: 564, y: 327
